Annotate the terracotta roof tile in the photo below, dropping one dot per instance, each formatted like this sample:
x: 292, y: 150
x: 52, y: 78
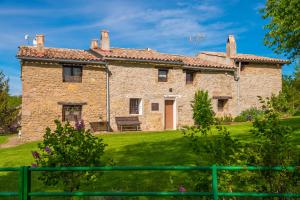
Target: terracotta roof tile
x: 194, y: 61
x: 248, y: 57
x: 149, y: 54
x: 255, y: 58
x: 142, y: 54
x: 57, y: 53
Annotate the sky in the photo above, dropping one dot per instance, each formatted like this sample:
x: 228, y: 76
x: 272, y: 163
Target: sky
x: 170, y: 26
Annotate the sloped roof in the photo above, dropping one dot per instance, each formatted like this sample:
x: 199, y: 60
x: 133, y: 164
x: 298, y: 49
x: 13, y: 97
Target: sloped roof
x: 149, y: 54
x: 142, y: 54
x: 56, y: 53
x: 248, y: 57
x: 255, y: 58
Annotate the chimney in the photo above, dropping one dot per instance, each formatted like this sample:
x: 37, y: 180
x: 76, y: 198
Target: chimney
x: 230, y: 46
x: 40, y: 40
x: 94, y: 44
x: 104, y: 42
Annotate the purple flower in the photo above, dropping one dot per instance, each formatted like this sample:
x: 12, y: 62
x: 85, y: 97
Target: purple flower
x: 79, y: 125
x: 33, y: 165
x: 48, y: 150
x: 181, y: 189
x: 35, y: 154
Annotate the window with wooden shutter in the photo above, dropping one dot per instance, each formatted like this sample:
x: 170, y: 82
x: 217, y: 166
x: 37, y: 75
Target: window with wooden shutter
x: 154, y: 106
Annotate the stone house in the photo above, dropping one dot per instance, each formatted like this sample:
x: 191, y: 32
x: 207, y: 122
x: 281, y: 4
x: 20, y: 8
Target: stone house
x: 102, y: 83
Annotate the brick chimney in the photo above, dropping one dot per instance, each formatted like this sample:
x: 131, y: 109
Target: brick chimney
x: 94, y: 44
x: 104, y: 42
x: 40, y: 40
x: 230, y: 46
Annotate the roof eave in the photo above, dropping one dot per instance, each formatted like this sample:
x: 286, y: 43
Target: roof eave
x: 208, y: 68
x: 262, y: 61
x: 61, y: 60
x: 144, y: 60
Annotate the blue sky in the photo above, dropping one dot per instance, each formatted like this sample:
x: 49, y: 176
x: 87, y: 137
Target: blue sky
x: 162, y: 25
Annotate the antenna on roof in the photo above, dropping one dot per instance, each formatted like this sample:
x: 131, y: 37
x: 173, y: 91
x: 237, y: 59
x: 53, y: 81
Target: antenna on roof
x: 197, y: 38
x: 27, y: 37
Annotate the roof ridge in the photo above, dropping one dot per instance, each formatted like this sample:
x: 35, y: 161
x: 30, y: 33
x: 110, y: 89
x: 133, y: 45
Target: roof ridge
x: 61, y: 48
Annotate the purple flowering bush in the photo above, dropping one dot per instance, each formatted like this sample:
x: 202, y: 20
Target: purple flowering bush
x: 68, y: 146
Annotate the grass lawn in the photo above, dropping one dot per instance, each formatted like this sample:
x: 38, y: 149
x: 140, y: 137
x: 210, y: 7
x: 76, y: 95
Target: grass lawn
x: 134, y: 148
x: 4, y: 138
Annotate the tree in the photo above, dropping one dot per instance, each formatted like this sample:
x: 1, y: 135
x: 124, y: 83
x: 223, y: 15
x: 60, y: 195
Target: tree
x: 8, y: 113
x: 283, y: 34
x: 203, y: 114
x: 69, y: 146
x: 274, y: 148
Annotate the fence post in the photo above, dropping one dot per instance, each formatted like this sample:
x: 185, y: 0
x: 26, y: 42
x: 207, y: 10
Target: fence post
x: 27, y: 183
x: 21, y: 183
x: 214, y: 182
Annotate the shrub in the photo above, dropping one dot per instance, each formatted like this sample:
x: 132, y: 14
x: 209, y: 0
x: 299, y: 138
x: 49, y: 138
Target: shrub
x: 68, y: 146
x: 203, y: 114
x: 248, y: 115
x: 275, y: 148
x: 226, y: 119
x: 8, y: 113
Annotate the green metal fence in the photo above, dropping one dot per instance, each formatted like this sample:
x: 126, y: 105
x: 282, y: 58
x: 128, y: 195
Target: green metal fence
x: 24, y: 186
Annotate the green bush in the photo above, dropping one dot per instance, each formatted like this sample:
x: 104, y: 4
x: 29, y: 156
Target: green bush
x: 68, y: 146
x: 203, y: 113
x: 226, y: 119
x: 275, y: 148
x: 248, y: 115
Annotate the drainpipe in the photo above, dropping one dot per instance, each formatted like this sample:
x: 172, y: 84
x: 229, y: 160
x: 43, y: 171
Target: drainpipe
x: 107, y: 98
x: 238, y: 86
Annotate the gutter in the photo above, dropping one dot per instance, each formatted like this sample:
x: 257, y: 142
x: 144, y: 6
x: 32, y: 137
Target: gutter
x: 141, y: 60
x: 60, y: 60
x: 107, y: 98
x: 208, y: 68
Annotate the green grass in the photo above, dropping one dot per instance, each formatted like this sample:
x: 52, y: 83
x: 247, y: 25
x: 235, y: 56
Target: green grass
x: 135, y: 148
x: 4, y: 138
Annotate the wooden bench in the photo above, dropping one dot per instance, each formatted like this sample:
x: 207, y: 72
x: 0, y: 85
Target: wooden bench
x: 128, y: 123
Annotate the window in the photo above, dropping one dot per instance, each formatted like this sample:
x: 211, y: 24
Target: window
x: 154, y: 106
x: 135, y: 106
x: 162, y: 75
x: 189, y: 77
x: 221, y: 104
x: 72, y: 74
x: 71, y: 112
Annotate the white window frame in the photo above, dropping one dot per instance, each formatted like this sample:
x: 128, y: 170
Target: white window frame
x: 140, y: 101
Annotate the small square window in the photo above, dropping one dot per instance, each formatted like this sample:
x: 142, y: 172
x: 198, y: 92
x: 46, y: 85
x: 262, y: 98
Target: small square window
x: 162, y: 75
x: 72, y: 73
x: 189, y: 77
x: 135, y: 106
x: 154, y: 106
x: 71, y: 112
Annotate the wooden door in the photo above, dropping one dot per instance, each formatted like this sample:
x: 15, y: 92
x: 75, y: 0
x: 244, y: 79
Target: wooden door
x: 169, y: 115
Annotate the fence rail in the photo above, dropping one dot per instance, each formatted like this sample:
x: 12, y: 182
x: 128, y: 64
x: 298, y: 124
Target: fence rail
x: 24, y: 184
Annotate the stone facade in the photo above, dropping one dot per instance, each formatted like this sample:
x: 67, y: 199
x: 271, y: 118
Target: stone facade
x: 43, y: 89
x: 141, y: 81
x: 258, y: 80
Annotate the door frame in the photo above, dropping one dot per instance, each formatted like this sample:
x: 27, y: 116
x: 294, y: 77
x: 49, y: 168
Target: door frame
x: 173, y: 98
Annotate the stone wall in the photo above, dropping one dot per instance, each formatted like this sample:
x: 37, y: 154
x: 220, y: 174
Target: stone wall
x: 43, y: 88
x: 140, y: 81
x: 258, y: 80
